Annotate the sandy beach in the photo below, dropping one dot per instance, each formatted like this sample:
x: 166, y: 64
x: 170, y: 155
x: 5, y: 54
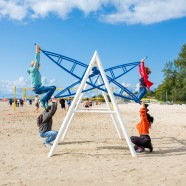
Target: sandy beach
x: 92, y: 153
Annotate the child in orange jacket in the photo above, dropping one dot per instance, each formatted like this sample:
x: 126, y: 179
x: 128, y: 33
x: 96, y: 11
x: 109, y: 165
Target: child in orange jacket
x: 144, y: 140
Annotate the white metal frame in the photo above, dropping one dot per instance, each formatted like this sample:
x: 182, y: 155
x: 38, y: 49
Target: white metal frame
x: 95, y: 61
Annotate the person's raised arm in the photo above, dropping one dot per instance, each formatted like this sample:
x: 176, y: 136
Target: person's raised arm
x: 52, y: 111
x: 37, y: 57
x: 143, y: 68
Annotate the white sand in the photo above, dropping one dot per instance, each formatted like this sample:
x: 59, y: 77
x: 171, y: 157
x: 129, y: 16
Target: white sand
x: 92, y: 153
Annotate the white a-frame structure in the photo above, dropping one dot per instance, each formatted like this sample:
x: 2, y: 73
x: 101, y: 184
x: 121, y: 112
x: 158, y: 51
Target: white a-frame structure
x: 95, y: 62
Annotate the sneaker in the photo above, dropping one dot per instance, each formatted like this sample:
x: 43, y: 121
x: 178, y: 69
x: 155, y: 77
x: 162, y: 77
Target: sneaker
x: 42, y: 103
x: 48, y: 144
x: 151, y: 147
x: 140, y: 149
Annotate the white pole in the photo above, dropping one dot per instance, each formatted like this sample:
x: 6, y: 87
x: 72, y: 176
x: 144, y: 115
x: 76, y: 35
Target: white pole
x: 70, y: 112
x: 116, y: 107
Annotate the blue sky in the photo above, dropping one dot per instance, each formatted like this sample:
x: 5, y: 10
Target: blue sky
x: 121, y: 31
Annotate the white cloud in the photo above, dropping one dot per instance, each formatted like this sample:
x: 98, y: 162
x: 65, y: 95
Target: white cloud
x: 137, y: 87
x: 15, y: 10
x: 46, y: 82
x: 127, y: 85
x: 110, y: 11
x: 146, y: 11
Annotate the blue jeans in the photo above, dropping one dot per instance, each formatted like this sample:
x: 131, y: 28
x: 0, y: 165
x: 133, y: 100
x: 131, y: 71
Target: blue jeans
x: 48, y: 90
x: 142, y: 92
x: 50, y: 135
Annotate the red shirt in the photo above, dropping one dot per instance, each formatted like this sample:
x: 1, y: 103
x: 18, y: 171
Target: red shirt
x: 142, y: 71
x: 144, y: 125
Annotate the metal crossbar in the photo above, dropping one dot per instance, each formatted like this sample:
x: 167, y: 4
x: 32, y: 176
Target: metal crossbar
x: 58, y: 60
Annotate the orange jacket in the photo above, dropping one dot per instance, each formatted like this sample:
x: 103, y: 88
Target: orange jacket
x: 142, y: 72
x: 143, y: 126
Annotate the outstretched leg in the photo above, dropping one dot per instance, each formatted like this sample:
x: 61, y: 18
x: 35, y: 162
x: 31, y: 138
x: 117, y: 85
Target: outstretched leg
x: 48, y: 90
x: 142, y: 92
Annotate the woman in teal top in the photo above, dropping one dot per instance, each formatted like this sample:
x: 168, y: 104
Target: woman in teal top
x: 35, y: 76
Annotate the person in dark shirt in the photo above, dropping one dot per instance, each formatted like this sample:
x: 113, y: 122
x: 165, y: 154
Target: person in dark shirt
x: 62, y: 102
x: 10, y: 101
x: 44, y: 122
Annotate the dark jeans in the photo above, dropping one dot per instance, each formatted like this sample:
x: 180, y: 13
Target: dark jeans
x: 48, y: 90
x: 141, y: 141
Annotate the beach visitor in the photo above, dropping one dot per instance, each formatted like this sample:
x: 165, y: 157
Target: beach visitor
x: 30, y: 101
x: 144, y: 83
x: 62, y: 103
x: 36, y: 80
x: 91, y: 103
x: 86, y: 104
x: 144, y: 140
x: 10, y: 101
x: 21, y: 102
x: 17, y: 102
x: 44, y: 122
x: 68, y: 103
x: 36, y: 100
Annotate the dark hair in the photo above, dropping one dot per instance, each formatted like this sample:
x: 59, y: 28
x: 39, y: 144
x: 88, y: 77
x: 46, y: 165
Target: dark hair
x: 150, y: 118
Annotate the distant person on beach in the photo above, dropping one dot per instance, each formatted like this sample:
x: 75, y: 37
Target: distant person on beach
x: 86, y: 104
x: 144, y: 83
x: 91, y: 103
x: 10, y: 101
x: 44, y: 122
x: 62, y: 103
x: 30, y: 101
x: 17, y: 102
x: 36, y: 103
x: 36, y: 80
x: 144, y: 140
x: 21, y: 102
x: 68, y: 103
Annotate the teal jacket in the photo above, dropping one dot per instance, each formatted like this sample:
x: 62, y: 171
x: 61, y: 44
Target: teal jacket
x: 34, y: 72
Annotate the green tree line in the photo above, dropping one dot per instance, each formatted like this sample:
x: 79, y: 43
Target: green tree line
x: 173, y: 87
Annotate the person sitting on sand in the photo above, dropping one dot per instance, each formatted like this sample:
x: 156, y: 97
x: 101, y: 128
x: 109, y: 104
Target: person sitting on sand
x: 44, y: 122
x: 144, y: 140
x: 36, y: 80
x: 86, y: 104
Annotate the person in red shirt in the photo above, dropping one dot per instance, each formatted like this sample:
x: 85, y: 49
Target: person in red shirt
x: 145, y: 84
x: 143, y: 141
